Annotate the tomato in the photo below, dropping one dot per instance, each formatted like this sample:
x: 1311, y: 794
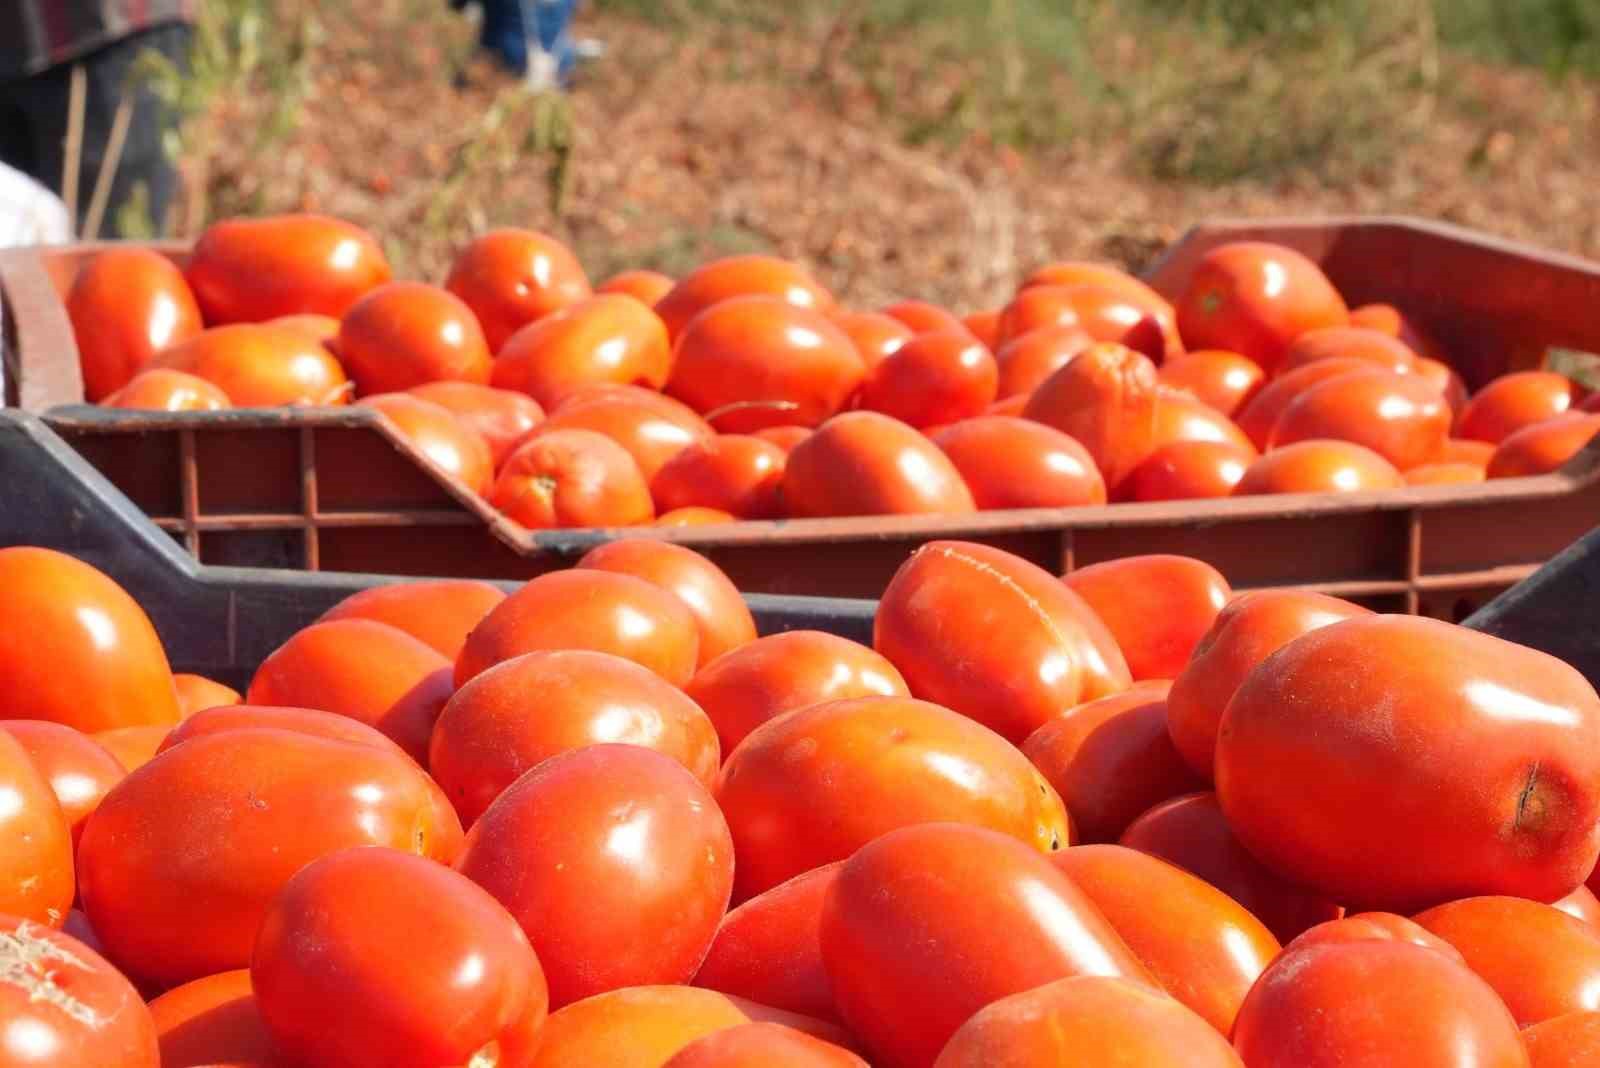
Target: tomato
x: 1202, y: 946
x: 1581, y: 904
x: 784, y: 437
x: 530, y: 708
x: 734, y: 473
x: 1444, y: 474
x: 813, y: 786
x: 1387, y: 319
x: 1259, y: 416
x: 645, y: 286
x: 1108, y: 315
x: 1378, y: 350
x: 1512, y: 402
x: 572, y: 478
x: 985, y: 326
x: 1400, y: 417
x: 1106, y: 399
x: 132, y: 746
x: 928, y: 924
x: 178, y: 864
x: 887, y: 468
x: 87, y: 655
x: 754, y: 362
x: 1105, y: 276
x: 63, y: 1005
x: 1223, y: 380
x: 923, y: 317
x: 694, y: 516
x: 737, y: 276
x: 340, y: 976
x: 1319, y: 465
x: 762, y: 1045
x: 615, y: 861
x: 1460, y: 450
x: 1475, y: 799
x: 404, y: 334
x: 1111, y: 760
x: 248, y: 270
x: 1179, y: 416
x: 1445, y: 380
x: 769, y: 948
x: 323, y: 329
x: 1543, y: 447
x: 721, y: 615
x: 510, y: 278
x: 163, y: 390
x: 456, y: 449
x: 763, y: 679
x: 1192, y: 833
x: 261, y: 365
x: 440, y: 613
x: 310, y: 721
x: 1026, y: 361
x: 36, y: 840
x: 1542, y: 962
x: 875, y: 335
x: 1376, y: 926
x: 1157, y: 607
x: 651, y: 427
x: 605, y: 340
x: 1016, y: 463
x: 363, y: 669
x: 126, y: 305
x: 636, y: 1027
x: 1566, y: 1040
x: 502, y: 416
x: 211, y: 1020
x: 934, y: 378
x: 196, y: 693
x: 1087, y: 1020
x: 994, y: 637
x: 1185, y: 470
x: 78, y: 769
x: 587, y: 609
x: 1319, y: 1006
x: 1255, y: 298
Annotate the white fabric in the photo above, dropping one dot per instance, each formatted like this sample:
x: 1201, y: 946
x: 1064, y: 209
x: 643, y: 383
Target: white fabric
x: 29, y: 213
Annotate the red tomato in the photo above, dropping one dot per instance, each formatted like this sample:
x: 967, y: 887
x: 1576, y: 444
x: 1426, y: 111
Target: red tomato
x: 605, y: 340
x: 994, y: 637
x: 1387, y: 319
x: 502, y: 416
x: 437, y: 612
x: 79, y: 770
x: 452, y: 446
x: 651, y: 427
x: 736, y: 276
x: 126, y: 305
x: 934, y: 378
x: 88, y: 656
x: 212, y: 1020
x: 875, y: 335
x: 1017, y: 463
x: 924, y: 318
x: 1376, y: 926
x: 784, y: 437
x: 587, y: 609
x: 1581, y: 904
x: 720, y: 613
x: 1104, y: 276
x: 197, y: 693
x: 1482, y: 756
x: 647, y: 287
x: 572, y: 478
x: 1319, y: 465
x: 1255, y: 298
x: 1223, y: 380
x: 1564, y: 1041
x: 64, y: 1006
x: 1372, y: 347
x: 1192, y: 833
x: 865, y: 463
x: 261, y: 365
x: 985, y: 326
x: 763, y: 1045
x: 694, y: 516
x: 1187, y: 470
x: 1027, y: 360
x: 178, y: 864
x: 637, y: 1027
x: 163, y: 390
x: 1543, y: 447
x: 323, y: 329
x: 1106, y: 399
x: 1459, y: 450
x: 296, y: 720
x: 1108, y: 315
x: 132, y: 746
x: 1444, y: 474
x: 1111, y: 760
x: 615, y: 861
x: 341, y: 976
x: 813, y: 786
x: 1400, y: 417
x: 36, y: 842
x: 1445, y: 380
x: 1038, y: 308
x: 1512, y: 402
x: 1259, y: 416
x: 532, y: 707
x: 249, y: 270
x: 928, y: 924
x: 510, y: 278
x: 735, y: 473
x: 1087, y: 1020
x: 1180, y: 417
x: 1313, y: 1008
x: 404, y: 334
x: 1157, y: 607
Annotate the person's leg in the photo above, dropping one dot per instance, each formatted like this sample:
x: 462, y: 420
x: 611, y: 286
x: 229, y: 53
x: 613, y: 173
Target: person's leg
x: 17, y: 149
x: 504, y: 34
x: 554, y: 21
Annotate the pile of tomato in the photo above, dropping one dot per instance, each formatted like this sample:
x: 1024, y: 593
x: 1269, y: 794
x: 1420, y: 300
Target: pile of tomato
x: 745, y: 391
x: 1125, y: 817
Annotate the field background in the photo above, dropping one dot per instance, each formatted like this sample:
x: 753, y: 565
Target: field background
x: 932, y: 148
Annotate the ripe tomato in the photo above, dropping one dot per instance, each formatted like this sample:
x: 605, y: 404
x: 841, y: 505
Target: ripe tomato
x: 1087, y: 1020
x: 1106, y: 399
x: 1400, y: 417
x: 784, y: 437
x: 1111, y: 760
x: 1157, y: 607
x: 449, y: 444
x: 196, y: 693
x: 1105, y: 276
x: 928, y: 924
x: 1445, y: 380
x: 310, y: 721
x: 1259, y: 416
x: 571, y: 478
x: 1223, y: 380
x: 1460, y: 450
x: 735, y: 473
x: 1376, y: 926
x: 510, y: 278
x: 1186, y: 470
x: 323, y: 329
x: 360, y: 668
x: 994, y: 637
x: 439, y: 613
x: 87, y: 655
x: 811, y: 787
x: 892, y: 470
x: 64, y: 1005
x: 923, y: 317
x: 647, y: 287
x: 1255, y: 298
x: 36, y: 842
x: 1581, y: 904
x: 587, y: 609
x: 736, y: 276
x: 1563, y: 1041
x: 1475, y: 800
x: 1027, y: 360
x: 341, y: 976
x: 875, y: 335
x: 1387, y: 319
x: 985, y: 326
x: 126, y: 305
x: 249, y: 270
x: 651, y: 427
x: 406, y: 333
x: 163, y: 390
x: 1016, y: 463
x: 132, y: 746
x: 934, y: 378
x: 530, y: 708
x: 777, y: 362
x: 636, y: 1027
x: 261, y: 365
x: 1319, y: 465
x: 1542, y: 962
x: 502, y: 416
x: 769, y: 948
x: 212, y: 1020
x: 615, y: 861
x: 694, y: 516
x: 78, y: 769
x: 763, y: 1045
x: 1512, y: 402
x: 1202, y: 946
x: 1313, y: 1008
x: 1444, y: 474
x: 720, y: 613
x: 1108, y: 315
x: 1380, y: 351
x: 1179, y: 416
x: 1543, y: 447
x: 178, y: 864
x: 605, y: 340
x: 1192, y: 833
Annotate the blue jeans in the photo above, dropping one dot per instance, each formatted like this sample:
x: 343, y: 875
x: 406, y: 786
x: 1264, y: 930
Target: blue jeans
x: 510, y: 26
